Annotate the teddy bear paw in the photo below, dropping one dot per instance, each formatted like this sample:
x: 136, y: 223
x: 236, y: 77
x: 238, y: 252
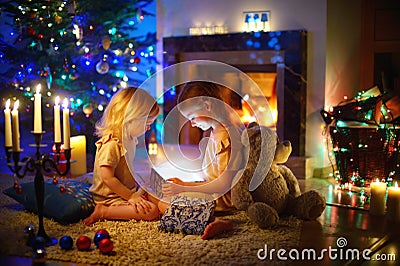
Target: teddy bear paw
x: 263, y: 215
x: 310, y: 205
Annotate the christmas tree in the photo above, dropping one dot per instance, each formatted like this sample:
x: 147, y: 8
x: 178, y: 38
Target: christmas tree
x: 82, y: 50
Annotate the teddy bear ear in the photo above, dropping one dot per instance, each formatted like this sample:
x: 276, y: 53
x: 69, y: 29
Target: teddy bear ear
x: 245, y: 138
x: 248, y: 133
x: 252, y: 124
x: 267, y: 154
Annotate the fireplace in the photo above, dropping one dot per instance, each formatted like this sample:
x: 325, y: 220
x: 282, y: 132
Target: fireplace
x: 276, y: 61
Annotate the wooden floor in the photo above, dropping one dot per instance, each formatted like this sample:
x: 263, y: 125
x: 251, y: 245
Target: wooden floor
x: 344, y: 230
x: 346, y: 225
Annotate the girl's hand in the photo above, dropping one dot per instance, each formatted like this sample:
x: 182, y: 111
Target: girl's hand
x: 173, y: 187
x: 140, y: 203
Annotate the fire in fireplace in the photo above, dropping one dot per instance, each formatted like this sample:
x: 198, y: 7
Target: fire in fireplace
x: 275, y: 61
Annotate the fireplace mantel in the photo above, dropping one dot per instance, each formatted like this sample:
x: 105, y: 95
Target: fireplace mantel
x: 292, y: 45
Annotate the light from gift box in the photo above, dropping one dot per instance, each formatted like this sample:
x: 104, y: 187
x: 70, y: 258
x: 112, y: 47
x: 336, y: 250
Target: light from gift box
x: 169, y: 170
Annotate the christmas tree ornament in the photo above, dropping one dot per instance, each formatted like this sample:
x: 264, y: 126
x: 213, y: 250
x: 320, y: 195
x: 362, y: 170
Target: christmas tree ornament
x: 103, y: 231
x: 66, y: 242
x: 62, y: 190
x: 57, y: 19
x: 39, y: 242
x: 98, y: 237
x: 136, y: 60
x: 102, y: 67
x: 32, y: 14
x: 38, y: 256
x: 106, y: 245
x: 83, y: 243
x: 71, y: 8
x: 29, y: 230
x: 30, y: 31
x: 106, y: 42
x: 87, y: 109
x: 55, y: 181
x: 29, y: 234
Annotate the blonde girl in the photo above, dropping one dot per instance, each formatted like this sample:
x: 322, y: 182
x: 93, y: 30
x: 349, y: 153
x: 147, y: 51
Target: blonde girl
x: 128, y: 115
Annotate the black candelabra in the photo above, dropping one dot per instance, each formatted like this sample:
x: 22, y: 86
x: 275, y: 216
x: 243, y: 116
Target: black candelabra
x: 36, y: 164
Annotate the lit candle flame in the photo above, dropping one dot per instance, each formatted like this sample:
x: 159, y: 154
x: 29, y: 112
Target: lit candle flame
x: 57, y: 100
x: 8, y: 104
x: 16, y: 105
x: 396, y: 185
x: 65, y: 103
x: 38, y: 88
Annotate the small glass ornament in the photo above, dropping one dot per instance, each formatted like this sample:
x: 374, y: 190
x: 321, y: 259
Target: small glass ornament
x: 29, y: 234
x: 106, y: 245
x: 83, y: 243
x: 102, y: 67
x: 39, y: 256
x: 66, y: 242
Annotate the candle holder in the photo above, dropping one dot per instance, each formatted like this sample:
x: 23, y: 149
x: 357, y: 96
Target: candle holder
x: 36, y: 164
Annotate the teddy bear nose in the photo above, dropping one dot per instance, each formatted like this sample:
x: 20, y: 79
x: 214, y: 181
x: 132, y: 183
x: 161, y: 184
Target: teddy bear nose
x: 286, y: 143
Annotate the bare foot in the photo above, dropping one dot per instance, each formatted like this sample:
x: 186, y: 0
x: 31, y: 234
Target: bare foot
x: 162, y: 206
x: 95, y: 216
x: 216, y: 227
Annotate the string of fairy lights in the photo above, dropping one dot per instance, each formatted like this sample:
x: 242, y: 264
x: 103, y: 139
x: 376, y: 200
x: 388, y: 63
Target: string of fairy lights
x: 363, y: 140
x: 82, y: 50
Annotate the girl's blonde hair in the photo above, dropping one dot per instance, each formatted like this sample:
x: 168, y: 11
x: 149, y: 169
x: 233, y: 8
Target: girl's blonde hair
x: 113, y: 117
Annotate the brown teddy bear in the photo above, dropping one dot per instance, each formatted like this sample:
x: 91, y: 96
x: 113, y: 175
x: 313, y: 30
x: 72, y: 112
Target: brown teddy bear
x: 279, y: 192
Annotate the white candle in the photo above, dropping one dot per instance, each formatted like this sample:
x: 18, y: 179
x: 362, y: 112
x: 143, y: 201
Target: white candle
x: 15, y: 127
x: 78, y: 155
x: 378, y: 198
x: 7, y: 125
x: 57, y: 123
x: 37, y: 122
x: 393, y: 203
x: 66, y: 128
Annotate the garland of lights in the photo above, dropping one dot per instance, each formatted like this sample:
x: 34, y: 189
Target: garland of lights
x: 363, y: 140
